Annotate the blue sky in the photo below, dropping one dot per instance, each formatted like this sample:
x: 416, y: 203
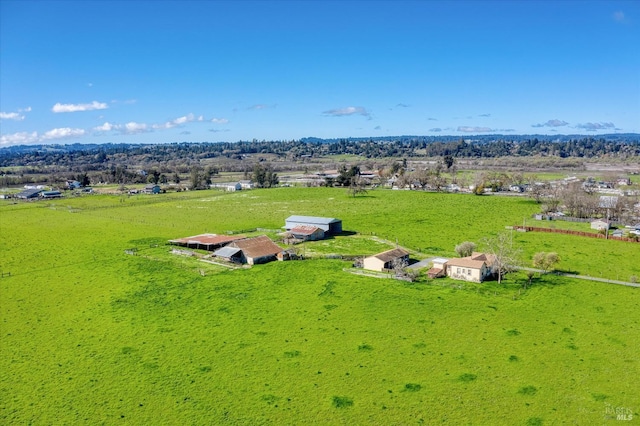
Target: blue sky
x: 164, y: 71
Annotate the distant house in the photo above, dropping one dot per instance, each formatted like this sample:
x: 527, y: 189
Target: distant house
x: 209, y: 242
x: 256, y: 250
x: 438, y: 268
x: 72, y: 184
x: 50, y: 194
x: 475, y: 268
x: 623, y: 181
x: 151, y: 189
x: 29, y: 194
x: 306, y: 233
x: 227, y: 186
x: 247, y: 184
x: 329, y: 225
x: 600, y: 225
x: 385, y: 260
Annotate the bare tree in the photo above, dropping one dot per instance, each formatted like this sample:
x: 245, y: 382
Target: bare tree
x: 506, y: 257
x: 400, y: 270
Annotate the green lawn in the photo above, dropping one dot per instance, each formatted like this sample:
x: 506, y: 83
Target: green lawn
x: 91, y: 335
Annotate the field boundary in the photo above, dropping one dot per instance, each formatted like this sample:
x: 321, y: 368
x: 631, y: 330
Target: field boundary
x: 571, y: 232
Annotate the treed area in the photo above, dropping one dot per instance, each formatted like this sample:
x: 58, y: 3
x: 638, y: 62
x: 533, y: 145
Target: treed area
x: 121, y: 163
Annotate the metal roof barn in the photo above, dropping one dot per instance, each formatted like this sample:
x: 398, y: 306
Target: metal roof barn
x: 328, y: 224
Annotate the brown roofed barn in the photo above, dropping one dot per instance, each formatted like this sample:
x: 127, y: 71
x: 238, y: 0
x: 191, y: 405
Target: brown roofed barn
x: 257, y: 250
x: 385, y: 260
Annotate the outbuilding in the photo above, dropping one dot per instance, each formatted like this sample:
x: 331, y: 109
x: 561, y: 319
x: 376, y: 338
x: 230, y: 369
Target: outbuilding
x: 385, y: 260
x: 29, y: 194
x: 600, y: 225
x: 230, y: 254
x: 306, y: 233
x: 227, y: 186
x: 51, y: 194
x: 438, y: 267
x: 256, y: 250
x: 207, y: 242
x: 151, y: 189
x: 329, y: 225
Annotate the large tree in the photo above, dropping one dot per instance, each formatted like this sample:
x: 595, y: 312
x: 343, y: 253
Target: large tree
x: 545, y: 261
x: 264, y: 176
x: 465, y: 249
x: 357, y: 186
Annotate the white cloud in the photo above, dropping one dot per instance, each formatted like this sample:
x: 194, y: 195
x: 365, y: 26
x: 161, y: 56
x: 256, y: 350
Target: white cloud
x: 551, y: 123
x: 79, y: 107
x: 133, y: 127
x: 470, y: 129
x: 261, y: 106
x: 219, y: 120
x: 106, y: 127
x: 592, y: 127
x: 19, y: 138
x: 11, y: 116
x: 178, y: 121
x: 619, y: 16
x: 17, y: 116
x: 435, y: 129
x: 62, y: 133
x: 184, y: 119
x: 341, y: 112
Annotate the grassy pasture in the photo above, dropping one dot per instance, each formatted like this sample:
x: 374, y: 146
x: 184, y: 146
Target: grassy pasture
x: 91, y: 335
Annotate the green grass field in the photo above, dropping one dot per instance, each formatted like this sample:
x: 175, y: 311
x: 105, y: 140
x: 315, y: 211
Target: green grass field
x: 91, y: 335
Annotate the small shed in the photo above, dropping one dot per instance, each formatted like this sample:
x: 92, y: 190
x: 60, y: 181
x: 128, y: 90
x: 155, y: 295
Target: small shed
x: 230, y: 254
x: 307, y: 233
x: 51, y: 194
x: 247, y: 184
x: 151, y: 189
x: 329, y: 225
x: 385, y: 260
x: 600, y: 225
x: 438, y: 268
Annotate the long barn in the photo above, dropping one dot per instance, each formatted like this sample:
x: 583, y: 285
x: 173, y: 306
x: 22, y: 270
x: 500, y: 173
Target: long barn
x: 329, y: 225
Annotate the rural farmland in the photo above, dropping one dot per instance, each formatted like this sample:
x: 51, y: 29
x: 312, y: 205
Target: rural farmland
x: 92, y: 335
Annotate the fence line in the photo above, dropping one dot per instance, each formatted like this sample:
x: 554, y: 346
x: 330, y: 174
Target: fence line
x: 571, y: 232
